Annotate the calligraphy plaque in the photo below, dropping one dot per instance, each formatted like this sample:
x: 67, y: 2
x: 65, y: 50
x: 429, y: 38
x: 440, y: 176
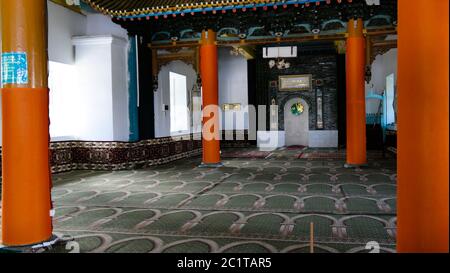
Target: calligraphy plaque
x: 295, y: 83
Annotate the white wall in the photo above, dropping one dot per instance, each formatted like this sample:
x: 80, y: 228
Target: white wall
x: 102, y: 99
x: 233, y: 88
x: 120, y: 94
x: 114, y: 63
x: 63, y: 24
x: 99, y: 24
x: 383, y: 66
x: 63, y: 81
x: 95, y: 97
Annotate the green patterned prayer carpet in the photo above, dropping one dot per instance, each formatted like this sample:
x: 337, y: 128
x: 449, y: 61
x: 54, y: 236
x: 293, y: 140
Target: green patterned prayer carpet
x: 250, y: 205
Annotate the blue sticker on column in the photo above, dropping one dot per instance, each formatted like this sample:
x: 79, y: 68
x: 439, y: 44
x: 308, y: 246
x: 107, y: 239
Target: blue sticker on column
x: 14, y: 68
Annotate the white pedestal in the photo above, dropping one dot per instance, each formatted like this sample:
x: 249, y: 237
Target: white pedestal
x: 102, y: 96
x: 270, y: 140
x: 323, y: 139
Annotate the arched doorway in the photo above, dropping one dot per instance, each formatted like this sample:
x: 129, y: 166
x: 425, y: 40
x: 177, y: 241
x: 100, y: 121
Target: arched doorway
x: 296, y: 122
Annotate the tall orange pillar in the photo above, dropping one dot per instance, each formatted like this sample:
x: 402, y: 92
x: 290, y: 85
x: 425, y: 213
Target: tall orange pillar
x: 423, y: 128
x: 26, y: 200
x: 210, y: 95
x: 356, y: 104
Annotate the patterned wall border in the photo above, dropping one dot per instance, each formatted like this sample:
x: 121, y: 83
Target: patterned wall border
x: 113, y: 156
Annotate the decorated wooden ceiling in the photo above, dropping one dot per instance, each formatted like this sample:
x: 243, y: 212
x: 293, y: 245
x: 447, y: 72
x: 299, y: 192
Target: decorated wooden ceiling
x: 183, y: 20
x: 130, y: 8
x: 145, y: 8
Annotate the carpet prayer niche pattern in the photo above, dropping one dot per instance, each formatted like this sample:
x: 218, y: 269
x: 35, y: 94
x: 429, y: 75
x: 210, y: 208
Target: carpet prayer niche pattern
x: 250, y: 205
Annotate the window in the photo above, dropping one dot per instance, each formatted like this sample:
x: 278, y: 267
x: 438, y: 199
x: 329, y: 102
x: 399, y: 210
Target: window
x: 179, y: 113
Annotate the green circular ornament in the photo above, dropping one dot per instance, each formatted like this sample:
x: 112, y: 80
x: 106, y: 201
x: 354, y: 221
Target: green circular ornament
x: 297, y: 109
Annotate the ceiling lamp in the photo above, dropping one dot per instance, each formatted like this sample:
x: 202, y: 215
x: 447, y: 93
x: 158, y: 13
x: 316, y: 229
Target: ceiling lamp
x: 235, y: 51
x: 279, y: 64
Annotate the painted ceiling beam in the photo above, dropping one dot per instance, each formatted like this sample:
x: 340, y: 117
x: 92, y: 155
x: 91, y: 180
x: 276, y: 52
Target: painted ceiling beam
x: 248, y: 52
x: 131, y: 12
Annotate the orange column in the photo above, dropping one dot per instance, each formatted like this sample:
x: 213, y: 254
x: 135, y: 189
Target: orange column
x: 210, y: 95
x: 423, y: 128
x: 356, y: 104
x: 26, y: 200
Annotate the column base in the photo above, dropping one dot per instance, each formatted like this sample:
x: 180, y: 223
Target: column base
x: 211, y: 165
x: 33, y: 247
x: 349, y: 166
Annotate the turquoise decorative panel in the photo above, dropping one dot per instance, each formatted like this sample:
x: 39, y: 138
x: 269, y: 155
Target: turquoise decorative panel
x: 133, y: 90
